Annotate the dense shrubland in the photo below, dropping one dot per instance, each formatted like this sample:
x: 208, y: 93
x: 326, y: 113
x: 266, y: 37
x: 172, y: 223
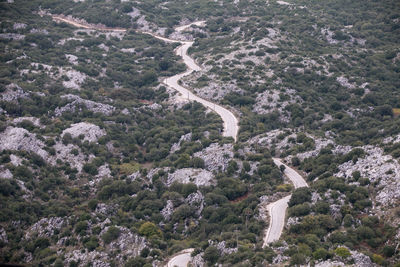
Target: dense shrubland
x: 123, y: 71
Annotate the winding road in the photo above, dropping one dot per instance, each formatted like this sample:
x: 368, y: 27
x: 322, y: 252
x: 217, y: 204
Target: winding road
x: 231, y: 124
x: 277, y: 209
x: 181, y: 259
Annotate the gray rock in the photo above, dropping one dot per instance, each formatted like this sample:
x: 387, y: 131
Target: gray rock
x: 12, y: 36
x: 196, y: 200
x: 199, y: 177
x: 216, y: 157
x: 221, y: 246
x: 13, y: 93
x: 46, y: 227
x: 107, y: 210
x: 167, y: 211
x: 198, y: 260
x: 5, y: 174
x: 361, y: 259
x: 184, y: 138
x: 20, y: 139
x: 90, y: 131
x: 378, y: 167
x: 90, y: 105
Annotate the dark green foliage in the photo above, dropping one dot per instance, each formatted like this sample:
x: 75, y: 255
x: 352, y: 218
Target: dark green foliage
x: 111, y: 234
x: 211, y: 255
x: 300, y: 196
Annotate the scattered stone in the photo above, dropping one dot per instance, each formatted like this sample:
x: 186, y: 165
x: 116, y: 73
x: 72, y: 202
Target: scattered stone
x: 128, y: 50
x: 330, y: 263
x: 221, y: 246
x: 107, y: 210
x: 199, y: 177
x: 67, y: 153
x: 345, y: 82
x: 90, y: 105
x: 12, y: 36
x: 94, y: 258
x: 361, y: 260
x: 18, y: 26
x: 216, y: 157
x: 378, y: 167
x: 76, y: 78
x: 46, y: 227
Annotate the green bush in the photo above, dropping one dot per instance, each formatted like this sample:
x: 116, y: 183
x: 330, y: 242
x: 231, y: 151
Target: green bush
x: 111, y: 234
x: 342, y: 252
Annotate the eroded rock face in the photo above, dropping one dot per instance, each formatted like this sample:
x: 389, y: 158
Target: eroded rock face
x: 184, y: 138
x: 14, y: 138
x: 76, y: 78
x: 128, y: 244
x: 90, y: 105
x: 46, y: 227
x: 196, y: 200
x: 13, y: 93
x: 95, y: 258
x: 378, y: 168
x: 189, y: 175
x: 167, y: 211
x: 361, y: 259
x: 221, y: 246
x: 216, y: 157
x: 66, y: 154
x: 198, y: 260
x: 90, y: 131
x: 35, y: 121
x: 329, y: 263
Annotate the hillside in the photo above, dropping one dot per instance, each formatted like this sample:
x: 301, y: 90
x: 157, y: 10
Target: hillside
x: 104, y: 163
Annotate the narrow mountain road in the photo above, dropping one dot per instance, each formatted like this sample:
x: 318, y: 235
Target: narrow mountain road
x: 277, y: 209
x: 182, y: 259
x: 231, y: 124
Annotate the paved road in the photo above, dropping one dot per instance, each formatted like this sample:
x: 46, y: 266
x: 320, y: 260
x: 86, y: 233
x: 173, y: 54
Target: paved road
x: 231, y: 125
x: 277, y: 209
x: 181, y: 259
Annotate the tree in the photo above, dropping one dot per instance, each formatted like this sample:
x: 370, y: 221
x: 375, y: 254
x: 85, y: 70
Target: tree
x: 342, y: 252
x: 320, y: 254
x: 299, y: 196
x: 211, y: 255
x: 150, y: 230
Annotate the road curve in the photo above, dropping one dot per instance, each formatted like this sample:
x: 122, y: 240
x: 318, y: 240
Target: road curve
x: 231, y: 125
x: 277, y: 209
x: 182, y: 259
